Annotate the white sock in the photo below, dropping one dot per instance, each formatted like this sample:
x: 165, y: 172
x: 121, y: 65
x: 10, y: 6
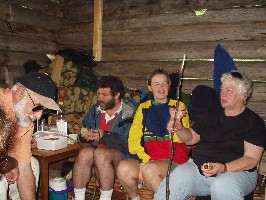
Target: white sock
x: 106, y: 195
x: 79, y: 193
x: 137, y: 198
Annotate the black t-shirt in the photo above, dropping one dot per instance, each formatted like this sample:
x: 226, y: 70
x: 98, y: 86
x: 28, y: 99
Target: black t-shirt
x: 222, y: 137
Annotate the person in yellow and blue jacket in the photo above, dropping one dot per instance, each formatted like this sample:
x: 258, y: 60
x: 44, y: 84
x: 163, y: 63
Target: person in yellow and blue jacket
x: 149, y: 141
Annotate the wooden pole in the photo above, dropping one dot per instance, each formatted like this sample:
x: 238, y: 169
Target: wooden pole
x: 57, y: 69
x: 56, y: 74
x: 97, y: 30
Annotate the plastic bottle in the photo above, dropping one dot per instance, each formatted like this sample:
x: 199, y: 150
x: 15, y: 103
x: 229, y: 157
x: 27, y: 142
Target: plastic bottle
x: 61, y: 121
x: 43, y: 126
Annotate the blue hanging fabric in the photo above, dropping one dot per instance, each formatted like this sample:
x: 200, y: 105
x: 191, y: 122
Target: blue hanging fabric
x: 223, y: 63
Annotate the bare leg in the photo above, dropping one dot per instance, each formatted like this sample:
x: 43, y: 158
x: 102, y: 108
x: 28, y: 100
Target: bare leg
x: 106, y: 161
x: 26, y: 182
x: 82, y: 167
x: 153, y: 174
x: 13, y: 188
x: 128, y: 174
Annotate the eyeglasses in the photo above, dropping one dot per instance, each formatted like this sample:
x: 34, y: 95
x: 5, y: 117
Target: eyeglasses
x: 236, y: 75
x: 7, y: 163
x: 36, y: 108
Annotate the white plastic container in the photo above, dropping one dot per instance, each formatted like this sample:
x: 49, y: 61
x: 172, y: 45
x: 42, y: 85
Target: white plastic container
x: 51, y: 142
x: 57, y: 184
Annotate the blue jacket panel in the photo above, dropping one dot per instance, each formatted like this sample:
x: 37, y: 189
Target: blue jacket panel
x: 117, y: 135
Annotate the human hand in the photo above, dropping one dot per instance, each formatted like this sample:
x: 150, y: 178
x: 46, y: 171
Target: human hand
x: 210, y: 169
x: 178, y: 114
x: 12, y: 175
x: 93, y: 134
x: 174, y: 125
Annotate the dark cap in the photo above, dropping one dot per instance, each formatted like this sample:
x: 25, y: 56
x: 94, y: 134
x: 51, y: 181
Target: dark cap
x: 44, y: 86
x: 32, y: 66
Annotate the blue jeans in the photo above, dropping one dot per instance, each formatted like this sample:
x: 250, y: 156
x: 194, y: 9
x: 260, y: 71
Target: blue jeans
x: 186, y: 181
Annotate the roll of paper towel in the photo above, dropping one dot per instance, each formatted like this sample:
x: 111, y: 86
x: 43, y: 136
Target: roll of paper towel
x: 58, y: 184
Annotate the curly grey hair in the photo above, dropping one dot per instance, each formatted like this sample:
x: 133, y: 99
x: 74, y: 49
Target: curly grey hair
x: 241, y: 81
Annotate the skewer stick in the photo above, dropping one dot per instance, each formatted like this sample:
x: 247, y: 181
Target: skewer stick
x: 180, y: 81
x: 172, y: 133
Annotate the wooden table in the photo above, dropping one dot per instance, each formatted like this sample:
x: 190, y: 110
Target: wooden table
x: 46, y: 157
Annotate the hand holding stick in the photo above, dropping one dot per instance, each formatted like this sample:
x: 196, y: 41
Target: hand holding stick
x: 172, y: 132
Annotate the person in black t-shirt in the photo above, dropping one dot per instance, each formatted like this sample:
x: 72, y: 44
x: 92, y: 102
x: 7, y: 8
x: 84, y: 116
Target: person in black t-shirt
x: 229, y: 145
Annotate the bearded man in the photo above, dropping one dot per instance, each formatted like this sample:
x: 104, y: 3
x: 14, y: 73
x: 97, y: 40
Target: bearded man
x: 23, y: 104
x: 107, y: 126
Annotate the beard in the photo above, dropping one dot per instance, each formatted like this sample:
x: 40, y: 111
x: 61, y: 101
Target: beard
x: 21, y: 116
x: 108, y: 105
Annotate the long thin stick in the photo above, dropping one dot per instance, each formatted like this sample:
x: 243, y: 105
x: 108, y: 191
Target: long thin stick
x: 172, y: 133
x: 180, y: 81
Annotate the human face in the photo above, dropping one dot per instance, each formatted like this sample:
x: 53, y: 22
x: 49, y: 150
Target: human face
x: 231, y: 97
x: 105, y: 99
x: 27, y: 111
x: 160, y: 88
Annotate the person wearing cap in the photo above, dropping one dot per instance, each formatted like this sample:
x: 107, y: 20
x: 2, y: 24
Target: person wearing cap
x: 24, y: 103
x: 230, y: 141
x: 106, y: 127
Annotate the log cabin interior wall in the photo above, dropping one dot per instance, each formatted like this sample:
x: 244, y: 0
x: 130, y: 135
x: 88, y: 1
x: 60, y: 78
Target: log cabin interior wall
x: 139, y: 36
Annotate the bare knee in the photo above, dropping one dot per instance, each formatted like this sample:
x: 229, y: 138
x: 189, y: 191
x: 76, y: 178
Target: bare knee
x: 123, y: 169
x: 85, y: 155
x: 153, y: 170
x: 101, y: 155
x: 148, y: 171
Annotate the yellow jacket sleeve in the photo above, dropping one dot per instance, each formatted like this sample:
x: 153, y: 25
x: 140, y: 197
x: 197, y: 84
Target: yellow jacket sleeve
x: 136, y: 133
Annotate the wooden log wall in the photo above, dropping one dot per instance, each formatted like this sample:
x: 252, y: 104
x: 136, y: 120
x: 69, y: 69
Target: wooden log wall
x: 141, y: 35
x: 31, y: 34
